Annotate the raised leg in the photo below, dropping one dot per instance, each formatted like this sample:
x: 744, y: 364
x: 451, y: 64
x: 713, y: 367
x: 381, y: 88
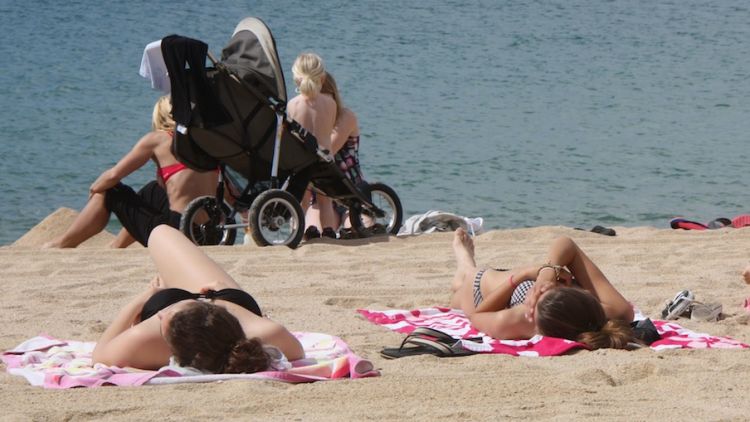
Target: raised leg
x: 123, y: 239
x: 466, y: 269
x: 183, y: 265
x: 92, y: 220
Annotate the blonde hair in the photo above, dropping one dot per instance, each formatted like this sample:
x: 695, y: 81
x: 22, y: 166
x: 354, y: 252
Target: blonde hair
x: 162, y: 116
x: 331, y: 88
x: 309, y: 72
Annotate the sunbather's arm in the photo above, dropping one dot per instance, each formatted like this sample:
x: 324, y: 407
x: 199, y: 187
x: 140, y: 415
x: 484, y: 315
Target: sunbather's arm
x: 504, y: 325
x: 140, y: 346
x: 127, y: 316
x: 498, y: 299
x: 132, y: 161
x: 346, y: 124
x: 116, y: 343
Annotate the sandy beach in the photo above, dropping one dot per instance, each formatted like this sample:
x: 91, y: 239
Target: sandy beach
x: 73, y: 294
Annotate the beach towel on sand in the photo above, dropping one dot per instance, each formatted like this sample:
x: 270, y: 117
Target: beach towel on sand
x: 53, y: 363
x: 456, y: 324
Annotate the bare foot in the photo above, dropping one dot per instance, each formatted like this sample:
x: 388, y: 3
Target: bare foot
x: 746, y: 274
x: 52, y: 244
x: 466, y: 267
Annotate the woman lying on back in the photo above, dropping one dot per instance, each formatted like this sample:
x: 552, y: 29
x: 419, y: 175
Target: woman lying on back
x: 568, y: 297
x: 193, y: 311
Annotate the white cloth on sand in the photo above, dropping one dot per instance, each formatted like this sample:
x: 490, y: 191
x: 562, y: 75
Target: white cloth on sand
x: 441, y: 221
x: 154, y: 69
x: 278, y: 362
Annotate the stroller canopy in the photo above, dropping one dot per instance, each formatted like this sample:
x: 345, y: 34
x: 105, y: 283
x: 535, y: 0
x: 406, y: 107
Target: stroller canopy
x: 247, y: 86
x: 251, y: 55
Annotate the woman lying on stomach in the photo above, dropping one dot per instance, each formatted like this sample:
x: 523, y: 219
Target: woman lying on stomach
x: 193, y: 311
x: 568, y: 297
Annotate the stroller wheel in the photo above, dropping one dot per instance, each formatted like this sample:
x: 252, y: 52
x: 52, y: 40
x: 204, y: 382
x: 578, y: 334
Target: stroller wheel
x: 276, y: 218
x: 203, y: 222
x: 366, y: 223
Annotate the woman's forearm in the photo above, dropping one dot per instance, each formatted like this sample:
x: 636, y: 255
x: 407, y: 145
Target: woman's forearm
x: 124, y: 319
x: 105, y: 181
x: 498, y: 299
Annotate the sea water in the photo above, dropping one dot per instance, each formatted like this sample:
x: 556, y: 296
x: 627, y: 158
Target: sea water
x: 524, y: 113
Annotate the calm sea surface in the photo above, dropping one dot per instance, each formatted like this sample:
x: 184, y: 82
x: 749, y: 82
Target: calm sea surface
x: 525, y: 113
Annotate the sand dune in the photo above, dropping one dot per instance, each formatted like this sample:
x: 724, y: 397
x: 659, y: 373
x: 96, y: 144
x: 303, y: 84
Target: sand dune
x: 74, y: 293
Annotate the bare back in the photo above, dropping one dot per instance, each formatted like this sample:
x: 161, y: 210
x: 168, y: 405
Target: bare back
x: 316, y: 114
x: 185, y: 185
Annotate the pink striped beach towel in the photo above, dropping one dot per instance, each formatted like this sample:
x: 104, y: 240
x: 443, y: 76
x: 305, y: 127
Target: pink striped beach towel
x: 456, y: 324
x: 51, y: 363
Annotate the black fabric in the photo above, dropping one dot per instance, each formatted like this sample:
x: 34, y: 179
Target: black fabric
x: 166, y: 297
x: 191, y: 85
x: 141, y: 212
x: 645, y: 331
x: 190, y: 154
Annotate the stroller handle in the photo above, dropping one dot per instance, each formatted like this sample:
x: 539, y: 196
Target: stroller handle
x: 213, y: 59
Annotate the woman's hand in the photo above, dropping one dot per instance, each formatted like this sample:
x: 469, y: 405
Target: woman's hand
x: 565, y: 277
x: 105, y: 181
x: 154, y: 286
x: 548, y: 278
x: 215, y: 286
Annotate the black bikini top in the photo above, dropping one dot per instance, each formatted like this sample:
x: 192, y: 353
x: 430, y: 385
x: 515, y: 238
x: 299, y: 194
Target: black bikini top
x: 166, y: 297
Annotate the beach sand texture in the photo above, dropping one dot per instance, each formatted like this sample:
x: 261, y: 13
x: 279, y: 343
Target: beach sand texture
x: 73, y: 294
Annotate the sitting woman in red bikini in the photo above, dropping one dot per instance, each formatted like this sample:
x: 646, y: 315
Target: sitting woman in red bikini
x: 158, y: 202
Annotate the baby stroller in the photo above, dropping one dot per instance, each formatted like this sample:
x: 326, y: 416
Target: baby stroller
x: 232, y: 117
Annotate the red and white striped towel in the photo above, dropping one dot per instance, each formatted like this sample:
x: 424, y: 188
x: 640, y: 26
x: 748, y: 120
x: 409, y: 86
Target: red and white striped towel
x: 456, y: 324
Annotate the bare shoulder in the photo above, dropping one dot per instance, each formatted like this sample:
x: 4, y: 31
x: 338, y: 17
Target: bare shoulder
x: 346, y: 122
x: 348, y: 115
x: 154, y: 138
x: 326, y: 101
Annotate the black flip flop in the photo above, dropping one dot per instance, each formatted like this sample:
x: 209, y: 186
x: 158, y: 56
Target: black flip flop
x: 416, y: 345
x: 604, y: 230
x: 441, y: 336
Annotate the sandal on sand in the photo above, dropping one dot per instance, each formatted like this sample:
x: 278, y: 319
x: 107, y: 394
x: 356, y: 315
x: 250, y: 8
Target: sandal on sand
x: 604, y: 230
x: 719, y: 223
x: 705, y: 311
x: 427, y: 341
x: 413, y: 346
x: 679, y: 305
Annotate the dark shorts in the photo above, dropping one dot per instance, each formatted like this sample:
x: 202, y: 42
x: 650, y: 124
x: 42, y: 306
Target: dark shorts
x: 141, y: 212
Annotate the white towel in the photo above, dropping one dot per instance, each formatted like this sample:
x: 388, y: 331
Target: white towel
x: 441, y: 221
x: 154, y: 69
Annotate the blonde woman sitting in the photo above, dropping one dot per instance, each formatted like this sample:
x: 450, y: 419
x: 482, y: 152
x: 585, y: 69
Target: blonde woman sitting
x: 158, y: 202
